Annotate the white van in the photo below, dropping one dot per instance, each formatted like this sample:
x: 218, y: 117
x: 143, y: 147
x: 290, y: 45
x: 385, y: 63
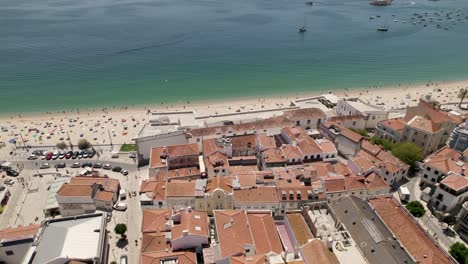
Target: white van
x: 120, y: 207
x: 122, y: 194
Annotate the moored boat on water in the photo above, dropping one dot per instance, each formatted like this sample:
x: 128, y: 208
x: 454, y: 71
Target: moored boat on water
x: 381, y: 2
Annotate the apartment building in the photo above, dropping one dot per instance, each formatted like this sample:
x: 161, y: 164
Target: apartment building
x: 355, y: 106
x: 450, y: 193
x: 390, y: 129
x: 459, y: 138
x: 84, y: 195
x: 438, y: 165
x: 461, y: 225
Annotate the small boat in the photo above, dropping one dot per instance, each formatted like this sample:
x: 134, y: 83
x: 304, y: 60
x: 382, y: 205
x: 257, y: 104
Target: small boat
x: 302, y: 29
x: 309, y: 3
x: 382, y: 28
x: 371, y: 17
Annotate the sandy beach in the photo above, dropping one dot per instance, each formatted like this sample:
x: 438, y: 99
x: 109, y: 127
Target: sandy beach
x: 122, y: 124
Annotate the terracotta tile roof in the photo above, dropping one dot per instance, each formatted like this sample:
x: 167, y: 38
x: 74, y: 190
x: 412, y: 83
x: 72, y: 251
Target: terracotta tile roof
x: 18, y: 233
x: 445, y: 164
x: 273, y: 156
x: 238, y: 170
x: 247, y: 180
x: 317, y: 252
x: 363, y: 163
x: 255, y: 259
x: 299, y: 228
x: 273, y: 122
x: 179, y: 173
x: 326, y: 145
x: 412, y: 237
x: 180, y: 188
x: 355, y: 183
x: 105, y: 196
x: 363, y: 154
x: 396, y: 124
x: 154, y: 188
x: 338, y: 119
x: 222, y: 183
x: 342, y: 169
x: 233, y: 232
x: 426, y: 109
x: 247, y: 141
x: 291, y: 152
x: 264, y: 233
x: 305, y: 113
x: 154, y: 242
x: 183, y: 150
x: 216, y: 160
x: 210, y: 146
x: 155, y: 158
x: 194, y: 222
x: 154, y: 220
x: 374, y: 182
x: 266, y: 142
x: 423, y: 124
x: 447, y: 152
x: 309, y: 146
x: 353, y: 136
x: 266, y: 194
x: 370, y: 147
x: 387, y: 157
x: 334, y: 184
x: 455, y: 182
x: 294, y: 133
x: 75, y: 190
x: 109, y: 184
x: 181, y: 257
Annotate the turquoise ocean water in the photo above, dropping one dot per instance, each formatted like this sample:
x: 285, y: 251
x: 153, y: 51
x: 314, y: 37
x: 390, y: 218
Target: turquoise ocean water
x: 64, y: 54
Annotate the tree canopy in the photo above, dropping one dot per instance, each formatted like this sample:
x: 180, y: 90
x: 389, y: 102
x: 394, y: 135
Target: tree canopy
x: 61, y: 145
x: 416, y: 209
x: 459, y: 252
x: 83, y: 144
x: 409, y: 153
x: 120, y: 229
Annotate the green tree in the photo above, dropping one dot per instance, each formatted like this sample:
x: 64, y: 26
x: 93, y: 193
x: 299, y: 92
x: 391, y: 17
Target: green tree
x: 416, y: 208
x: 120, y: 229
x: 61, y: 145
x: 385, y: 143
x: 361, y: 132
x: 409, y: 153
x: 83, y: 144
x: 462, y: 94
x: 113, y: 262
x: 459, y: 252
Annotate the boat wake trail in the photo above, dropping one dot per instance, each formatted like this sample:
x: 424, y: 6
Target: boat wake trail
x: 178, y: 40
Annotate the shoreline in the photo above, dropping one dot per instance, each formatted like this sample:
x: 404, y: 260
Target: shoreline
x: 192, y: 105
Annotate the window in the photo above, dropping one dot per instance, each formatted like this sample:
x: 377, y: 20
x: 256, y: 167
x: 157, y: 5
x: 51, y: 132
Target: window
x: 198, y: 139
x: 9, y: 253
x: 373, y: 118
x: 320, y: 120
x: 432, y: 180
x: 308, y: 121
x: 354, y: 123
x: 415, y: 133
x: 428, y: 169
x: 436, y: 172
x: 298, y: 123
x: 425, y: 176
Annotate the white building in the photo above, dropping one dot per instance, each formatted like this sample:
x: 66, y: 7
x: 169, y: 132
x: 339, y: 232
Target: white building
x: 450, y: 192
x: 438, y: 165
x: 355, y: 106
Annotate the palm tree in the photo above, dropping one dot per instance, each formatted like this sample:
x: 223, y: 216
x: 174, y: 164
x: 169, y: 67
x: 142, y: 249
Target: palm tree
x: 462, y: 94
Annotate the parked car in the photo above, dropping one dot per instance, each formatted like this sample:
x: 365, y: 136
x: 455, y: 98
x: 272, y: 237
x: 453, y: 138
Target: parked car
x: 75, y: 154
x: 32, y: 157
x: 97, y: 165
x: 49, y: 156
x: 91, y: 153
x: 107, y: 166
x: 9, y: 182
x: 55, y: 155
x: 69, y: 154
x: 75, y: 165
x: 43, y: 156
x: 132, y: 155
x: 60, y: 165
x: 86, y: 164
x: 123, y: 259
x: 61, y: 155
x: 115, y: 156
x: 108, y: 216
x: 10, y: 172
x: 124, y: 172
x: 45, y: 166
x: 120, y: 207
x: 85, y: 154
x: 117, y: 169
